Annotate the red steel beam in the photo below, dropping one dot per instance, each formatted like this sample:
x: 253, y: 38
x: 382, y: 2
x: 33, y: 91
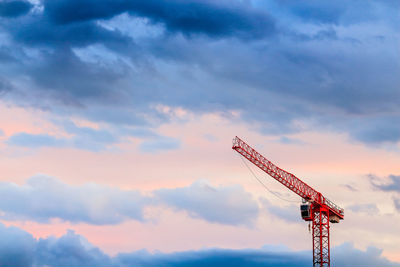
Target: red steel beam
x: 286, y: 178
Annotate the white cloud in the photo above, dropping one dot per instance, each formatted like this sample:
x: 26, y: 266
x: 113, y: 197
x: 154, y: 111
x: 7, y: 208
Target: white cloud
x: 43, y: 198
x: 223, y: 204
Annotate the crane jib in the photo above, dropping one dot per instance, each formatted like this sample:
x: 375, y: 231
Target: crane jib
x: 287, y: 179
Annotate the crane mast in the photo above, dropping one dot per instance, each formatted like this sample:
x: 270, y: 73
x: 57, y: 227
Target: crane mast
x: 320, y: 210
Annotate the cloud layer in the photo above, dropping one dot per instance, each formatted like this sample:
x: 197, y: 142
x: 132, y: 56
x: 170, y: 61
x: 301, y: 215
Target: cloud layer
x: 326, y: 65
x: 215, y: 19
x: 19, y: 248
x: 44, y: 198
x: 12, y: 9
x: 224, y: 204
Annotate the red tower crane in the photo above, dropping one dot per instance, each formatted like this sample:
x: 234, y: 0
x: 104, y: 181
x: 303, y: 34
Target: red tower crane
x: 315, y: 207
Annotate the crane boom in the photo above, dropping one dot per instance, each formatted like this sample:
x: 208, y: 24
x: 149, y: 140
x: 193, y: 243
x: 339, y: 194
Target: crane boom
x: 286, y: 178
x: 315, y: 208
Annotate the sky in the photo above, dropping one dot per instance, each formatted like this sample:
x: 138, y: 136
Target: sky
x: 117, y: 117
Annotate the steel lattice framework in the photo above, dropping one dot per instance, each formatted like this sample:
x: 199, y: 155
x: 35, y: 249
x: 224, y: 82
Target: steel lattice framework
x: 322, y: 209
x: 320, y: 227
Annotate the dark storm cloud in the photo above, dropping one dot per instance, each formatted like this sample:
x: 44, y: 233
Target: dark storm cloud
x: 73, y: 58
x: 57, y: 70
x: 37, y: 30
x: 63, y: 74
x: 19, y: 248
x: 212, y: 18
x: 12, y: 9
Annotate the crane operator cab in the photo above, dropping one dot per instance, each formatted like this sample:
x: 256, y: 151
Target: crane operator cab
x: 305, y: 210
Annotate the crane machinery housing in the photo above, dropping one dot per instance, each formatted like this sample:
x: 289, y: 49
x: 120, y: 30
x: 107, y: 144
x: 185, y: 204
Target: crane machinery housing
x: 315, y: 208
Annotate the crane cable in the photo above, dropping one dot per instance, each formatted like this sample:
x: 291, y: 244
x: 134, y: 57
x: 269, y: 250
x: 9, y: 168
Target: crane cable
x: 272, y: 192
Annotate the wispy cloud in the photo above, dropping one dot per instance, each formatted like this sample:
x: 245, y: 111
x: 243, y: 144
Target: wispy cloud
x: 36, y: 140
x: 396, y: 202
x: 160, y: 144
x: 290, y: 141
x: 368, y: 208
x: 392, y: 185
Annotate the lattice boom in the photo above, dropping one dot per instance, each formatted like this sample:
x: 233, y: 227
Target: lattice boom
x: 287, y: 179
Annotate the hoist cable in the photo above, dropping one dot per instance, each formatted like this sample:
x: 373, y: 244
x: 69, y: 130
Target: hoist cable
x: 272, y: 192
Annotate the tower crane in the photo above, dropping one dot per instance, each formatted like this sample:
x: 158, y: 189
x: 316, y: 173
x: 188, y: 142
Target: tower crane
x: 315, y: 207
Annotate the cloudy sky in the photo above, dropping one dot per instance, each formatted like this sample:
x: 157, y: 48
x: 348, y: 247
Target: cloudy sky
x: 117, y: 116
